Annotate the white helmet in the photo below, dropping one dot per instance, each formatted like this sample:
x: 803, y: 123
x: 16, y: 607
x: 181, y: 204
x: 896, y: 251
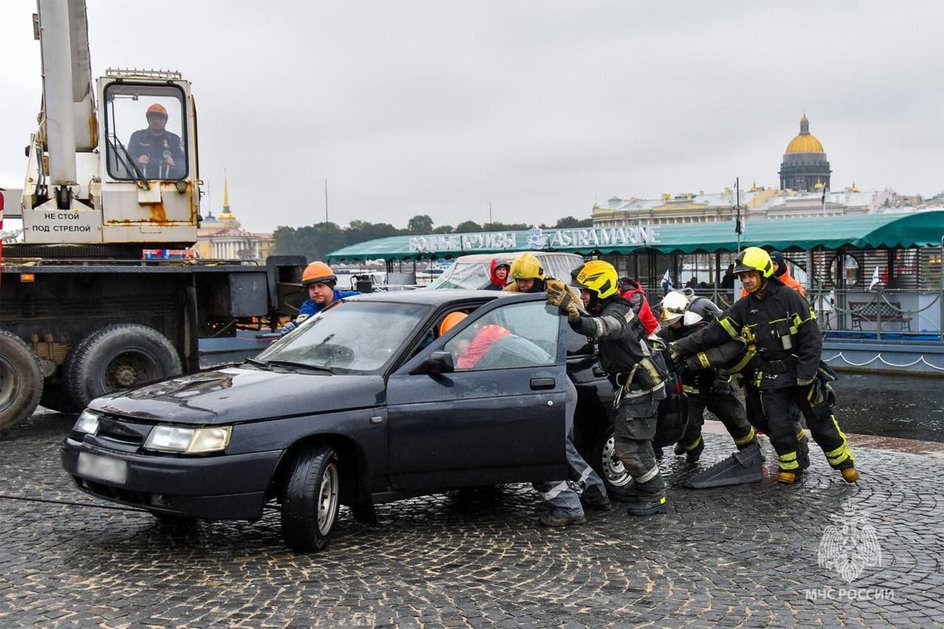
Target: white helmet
x: 673, y: 307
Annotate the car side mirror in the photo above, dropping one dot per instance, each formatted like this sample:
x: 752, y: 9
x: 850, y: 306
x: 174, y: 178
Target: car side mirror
x: 439, y: 362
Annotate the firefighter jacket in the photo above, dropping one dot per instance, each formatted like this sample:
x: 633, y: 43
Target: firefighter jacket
x: 701, y: 370
x: 778, y: 324
x: 625, y: 353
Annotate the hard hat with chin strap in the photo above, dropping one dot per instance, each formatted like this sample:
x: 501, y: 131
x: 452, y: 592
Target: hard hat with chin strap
x: 754, y: 259
x: 598, y: 276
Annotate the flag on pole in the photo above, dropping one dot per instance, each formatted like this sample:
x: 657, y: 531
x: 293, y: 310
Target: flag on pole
x: 875, y: 279
x: 666, y: 282
x: 825, y: 192
x: 738, y: 225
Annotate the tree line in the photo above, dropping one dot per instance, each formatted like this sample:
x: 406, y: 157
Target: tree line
x: 316, y: 241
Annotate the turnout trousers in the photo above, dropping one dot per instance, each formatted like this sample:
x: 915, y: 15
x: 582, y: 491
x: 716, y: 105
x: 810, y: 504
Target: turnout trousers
x: 634, y: 426
x: 720, y: 399
x: 561, y: 495
x: 776, y: 410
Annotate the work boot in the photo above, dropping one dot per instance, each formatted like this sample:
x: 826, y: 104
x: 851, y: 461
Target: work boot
x: 602, y: 504
x: 658, y: 452
x: 558, y: 519
x: 648, y: 504
x: 679, y: 448
x: 648, y: 499
x: 788, y: 477
x: 849, y: 474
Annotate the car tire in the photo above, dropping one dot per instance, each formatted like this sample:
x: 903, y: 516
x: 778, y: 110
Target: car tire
x: 619, y: 484
x: 118, y: 356
x: 311, y: 499
x: 21, y: 381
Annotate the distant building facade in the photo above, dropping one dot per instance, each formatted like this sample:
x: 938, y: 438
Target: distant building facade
x: 222, y: 238
x: 805, y: 178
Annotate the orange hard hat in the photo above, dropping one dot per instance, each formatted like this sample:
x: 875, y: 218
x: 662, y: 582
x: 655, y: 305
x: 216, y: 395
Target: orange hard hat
x: 317, y: 272
x: 156, y: 108
x: 452, y: 320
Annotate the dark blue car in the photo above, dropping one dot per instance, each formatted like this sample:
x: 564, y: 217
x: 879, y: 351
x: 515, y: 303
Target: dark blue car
x: 361, y: 404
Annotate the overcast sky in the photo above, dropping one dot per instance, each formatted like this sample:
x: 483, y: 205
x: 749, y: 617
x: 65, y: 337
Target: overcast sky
x: 541, y: 108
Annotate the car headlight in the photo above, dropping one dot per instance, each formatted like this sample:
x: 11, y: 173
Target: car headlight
x: 87, y: 422
x: 188, y: 440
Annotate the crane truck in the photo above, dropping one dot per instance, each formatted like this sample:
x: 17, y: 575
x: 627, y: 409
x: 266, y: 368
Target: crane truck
x: 82, y: 312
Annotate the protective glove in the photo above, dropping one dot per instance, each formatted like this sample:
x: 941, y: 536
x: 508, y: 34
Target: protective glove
x: 560, y: 296
x: 804, y: 382
x: 674, y: 354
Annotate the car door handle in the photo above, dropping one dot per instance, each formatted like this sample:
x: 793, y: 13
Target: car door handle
x: 537, y: 384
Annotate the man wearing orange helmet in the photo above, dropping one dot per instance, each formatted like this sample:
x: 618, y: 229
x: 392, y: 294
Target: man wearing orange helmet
x: 320, y: 281
x: 157, y: 152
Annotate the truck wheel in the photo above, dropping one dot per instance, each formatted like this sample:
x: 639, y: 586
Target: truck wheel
x: 21, y: 381
x: 311, y: 499
x: 619, y: 484
x: 118, y: 356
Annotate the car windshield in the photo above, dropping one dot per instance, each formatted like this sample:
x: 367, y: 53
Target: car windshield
x: 350, y: 337
x: 468, y: 275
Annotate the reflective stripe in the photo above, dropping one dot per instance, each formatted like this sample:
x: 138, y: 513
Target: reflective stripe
x: 555, y: 491
x: 648, y: 476
x: 694, y: 445
x: 748, y: 355
x: 728, y: 325
x: 789, y: 456
x: 689, y: 389
x: 746, y: 439
x: 788, y: 461
x: 650, y: 367
x: 703, y: 359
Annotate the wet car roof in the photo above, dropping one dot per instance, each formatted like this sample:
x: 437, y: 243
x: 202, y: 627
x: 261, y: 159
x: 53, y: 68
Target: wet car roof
x: 429, y: 297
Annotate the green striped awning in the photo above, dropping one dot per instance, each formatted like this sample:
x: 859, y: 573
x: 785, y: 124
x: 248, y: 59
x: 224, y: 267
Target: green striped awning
x: 887, y: 229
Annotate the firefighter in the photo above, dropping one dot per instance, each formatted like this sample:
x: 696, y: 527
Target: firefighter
x: 782, y: 327
x: 706, y: 388
x: 637, y: 374
x: 567, y: 506
x: 527, y: 273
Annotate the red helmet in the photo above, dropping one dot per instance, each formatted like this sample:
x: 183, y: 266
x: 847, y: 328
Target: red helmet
x: 156, y: 108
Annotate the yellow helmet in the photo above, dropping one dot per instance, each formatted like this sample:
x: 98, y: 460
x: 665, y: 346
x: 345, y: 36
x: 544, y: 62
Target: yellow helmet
x: 598, y: 276
x: 527, y: 267
x: 754, y: 259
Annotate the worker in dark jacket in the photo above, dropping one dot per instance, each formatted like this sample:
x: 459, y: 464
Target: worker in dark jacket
x: 498, y: 274
x: 637, y: 374
x: 701, y: 381
x: 782, y: 327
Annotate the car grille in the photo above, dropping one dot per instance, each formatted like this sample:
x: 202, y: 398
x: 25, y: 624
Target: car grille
x: 122, y: 432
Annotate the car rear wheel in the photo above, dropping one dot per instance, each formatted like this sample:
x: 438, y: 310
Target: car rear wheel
x: 311, y: 499
x: 617, y: 480
x: 21, y: 381
x: 118, y: 356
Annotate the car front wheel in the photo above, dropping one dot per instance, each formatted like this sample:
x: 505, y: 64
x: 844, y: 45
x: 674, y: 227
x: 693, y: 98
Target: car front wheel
x: 311, y: 499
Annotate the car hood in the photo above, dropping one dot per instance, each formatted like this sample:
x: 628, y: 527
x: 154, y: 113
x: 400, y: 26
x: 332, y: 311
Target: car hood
x: 238, y: 394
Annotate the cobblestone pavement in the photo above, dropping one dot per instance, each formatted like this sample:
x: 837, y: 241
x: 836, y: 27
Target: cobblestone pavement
x: 743, y: 556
